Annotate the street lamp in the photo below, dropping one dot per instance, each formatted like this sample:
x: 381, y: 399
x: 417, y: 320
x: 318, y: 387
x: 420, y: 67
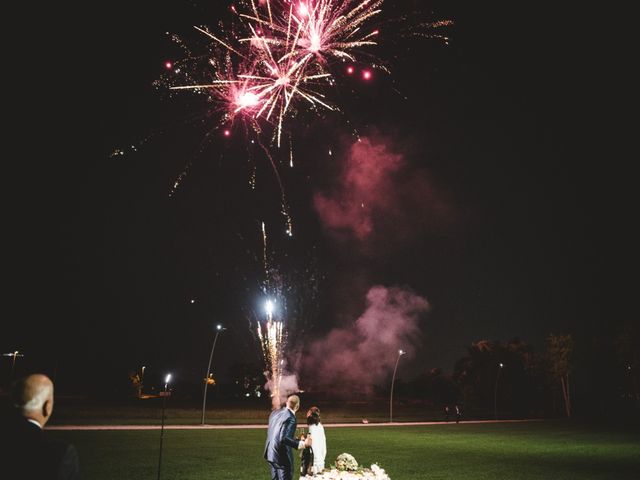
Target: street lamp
x: 219, y: 328
x: 495, y: 392
x: 393, y: 380
x: 13, y: 362
x: 164, y: 394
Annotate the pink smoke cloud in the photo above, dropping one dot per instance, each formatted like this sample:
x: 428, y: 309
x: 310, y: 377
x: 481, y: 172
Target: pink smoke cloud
x: 378, y: 196
x: 365, y: 187
x: 355, y: 358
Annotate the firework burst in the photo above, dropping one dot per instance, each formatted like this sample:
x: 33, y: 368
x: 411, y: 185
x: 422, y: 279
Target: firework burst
x: 281, y: 59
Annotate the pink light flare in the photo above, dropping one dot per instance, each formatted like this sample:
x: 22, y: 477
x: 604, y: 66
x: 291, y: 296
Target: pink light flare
x: 315, y: 42
x: 350, y: 69
x: 367, y: 75
x: 168, y: 65
x: 227, y: 133
x: 303, y: 10
x: 247, y: 100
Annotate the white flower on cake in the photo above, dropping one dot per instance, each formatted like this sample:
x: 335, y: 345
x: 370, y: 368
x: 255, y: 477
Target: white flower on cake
x: 347, y: 468
x: 346, y: 462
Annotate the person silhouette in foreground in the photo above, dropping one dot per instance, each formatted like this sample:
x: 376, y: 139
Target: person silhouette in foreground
x: 29, y: 453
x: 280, y: 440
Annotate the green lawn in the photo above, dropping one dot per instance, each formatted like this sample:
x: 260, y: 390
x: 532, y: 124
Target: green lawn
x: 541, y: 450
x: 148, y: 412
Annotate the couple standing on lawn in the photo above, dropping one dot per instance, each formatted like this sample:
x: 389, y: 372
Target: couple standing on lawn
x: 280, y: 441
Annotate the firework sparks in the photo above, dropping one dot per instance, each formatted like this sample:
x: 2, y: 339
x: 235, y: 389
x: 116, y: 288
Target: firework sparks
x: 282, y: 61
x: 280, y: 57
x: 271, y: 336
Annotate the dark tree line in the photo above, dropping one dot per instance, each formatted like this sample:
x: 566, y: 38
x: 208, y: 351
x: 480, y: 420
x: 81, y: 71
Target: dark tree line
x: 509, y: 379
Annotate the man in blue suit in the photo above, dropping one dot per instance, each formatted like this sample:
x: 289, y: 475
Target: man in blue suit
x: 280, y: 440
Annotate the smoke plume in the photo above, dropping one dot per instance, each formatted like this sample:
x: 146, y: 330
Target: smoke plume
x: 353, y: 359
x: 379, y: 198
x: 288, y: 386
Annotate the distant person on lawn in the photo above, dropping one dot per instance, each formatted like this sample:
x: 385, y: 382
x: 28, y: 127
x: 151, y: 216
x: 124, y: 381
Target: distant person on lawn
x: 30, y: 454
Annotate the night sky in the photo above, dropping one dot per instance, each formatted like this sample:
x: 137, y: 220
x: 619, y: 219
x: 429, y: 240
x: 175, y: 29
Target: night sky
x: 102, y: 263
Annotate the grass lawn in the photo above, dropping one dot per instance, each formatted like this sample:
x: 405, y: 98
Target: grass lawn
x: 540, y: 450
x: 148, y: 412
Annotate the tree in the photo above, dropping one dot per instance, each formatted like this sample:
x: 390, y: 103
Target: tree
x: 559, y: 350
x: 136, y: 384
x: 433, y: 387
x: 496, y: 372
x: 627, y: 347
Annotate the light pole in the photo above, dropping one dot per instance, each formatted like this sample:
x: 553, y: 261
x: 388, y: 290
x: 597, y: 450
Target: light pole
x: 495, y: 392
x: 13, y: 362
x: 219, y: 328
x: 393, y: 380
x: 164, y: 394
x: 142, y: 380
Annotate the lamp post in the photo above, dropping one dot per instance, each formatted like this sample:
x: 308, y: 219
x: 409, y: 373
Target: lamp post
x: 164, y: 394
x: 393, y: 380
x: 13, y: 362
x: 495, y: 392
x: 142, y: 381
x: 219, y: 328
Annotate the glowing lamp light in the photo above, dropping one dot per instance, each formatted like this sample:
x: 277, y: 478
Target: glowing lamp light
x: 227, y: 133
x: 168, y: 378
x: 168, y: 65
x: 367, y: 74
x: 350, y: 69
x: 501, y: 365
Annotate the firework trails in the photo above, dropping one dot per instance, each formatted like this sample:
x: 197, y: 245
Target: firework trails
x: 283, y: 55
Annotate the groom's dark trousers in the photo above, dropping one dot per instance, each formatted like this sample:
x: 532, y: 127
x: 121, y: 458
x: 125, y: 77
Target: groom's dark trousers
x: 280, y: 441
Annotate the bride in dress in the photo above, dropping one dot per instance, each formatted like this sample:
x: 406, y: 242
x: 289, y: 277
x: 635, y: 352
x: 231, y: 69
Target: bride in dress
x: 316, y: 430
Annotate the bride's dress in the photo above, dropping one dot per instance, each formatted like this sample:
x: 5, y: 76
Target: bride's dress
x: 319, y: 446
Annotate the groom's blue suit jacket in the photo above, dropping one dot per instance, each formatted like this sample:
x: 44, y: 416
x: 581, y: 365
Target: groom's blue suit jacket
x: 280, y: 441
